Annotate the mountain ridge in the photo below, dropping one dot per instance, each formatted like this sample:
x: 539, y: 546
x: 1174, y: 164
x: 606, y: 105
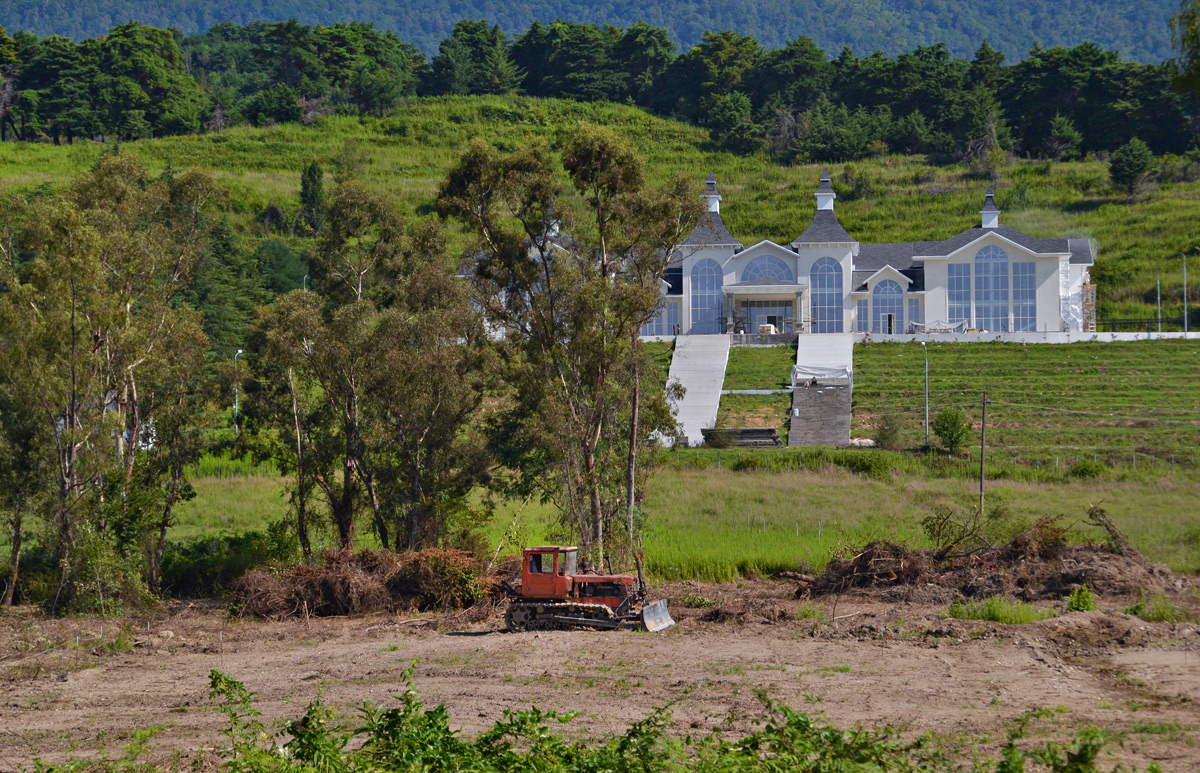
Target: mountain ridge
x: 1139, y: 31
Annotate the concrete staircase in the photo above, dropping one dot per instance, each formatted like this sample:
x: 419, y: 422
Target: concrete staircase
x: 698, y: 363
x: 821, y: 412
x: 820, y: 416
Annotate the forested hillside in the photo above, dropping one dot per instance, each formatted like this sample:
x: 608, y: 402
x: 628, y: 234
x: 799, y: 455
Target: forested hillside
x: 794, y: 103
x: 1136, y: 29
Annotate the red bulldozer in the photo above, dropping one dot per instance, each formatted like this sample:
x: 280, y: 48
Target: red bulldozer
x: 555, y: 594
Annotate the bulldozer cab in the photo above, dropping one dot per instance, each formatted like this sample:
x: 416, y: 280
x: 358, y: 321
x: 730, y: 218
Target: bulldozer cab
x: 546, y: 571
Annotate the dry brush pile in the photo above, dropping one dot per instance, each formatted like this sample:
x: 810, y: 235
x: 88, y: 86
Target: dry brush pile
x: 1036, y: 564
x: 348, y: 583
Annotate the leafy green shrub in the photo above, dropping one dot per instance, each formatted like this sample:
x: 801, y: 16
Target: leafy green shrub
x: 998, y: 610
x: 104, y: 581
x: 951, y: 426
x: 887, y: 434
x: 1087, y: 470
x: 209, y: 567
x: 1081, y: 600
x: 1158, y: 609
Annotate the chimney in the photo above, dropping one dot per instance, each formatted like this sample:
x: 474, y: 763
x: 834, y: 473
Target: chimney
x: 825, y: 194
x: 710, y: 197
x: 990, y: 212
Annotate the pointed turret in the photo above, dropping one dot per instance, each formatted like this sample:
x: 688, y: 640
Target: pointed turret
x: 825, y: 228
x: 710, y: 231
x: 990, y: 212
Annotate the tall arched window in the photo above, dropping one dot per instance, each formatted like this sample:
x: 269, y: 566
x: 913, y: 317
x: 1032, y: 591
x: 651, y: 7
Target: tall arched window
x: 991, y: 290
x: 768, y: 267
x: 825, y: 281
x: 707, y: 298
x: 887, y: 300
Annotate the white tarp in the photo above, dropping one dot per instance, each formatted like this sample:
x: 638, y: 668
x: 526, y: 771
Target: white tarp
x: 802, y: 373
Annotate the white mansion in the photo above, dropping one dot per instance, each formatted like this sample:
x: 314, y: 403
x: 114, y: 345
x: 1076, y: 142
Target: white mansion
x: 988, y: 278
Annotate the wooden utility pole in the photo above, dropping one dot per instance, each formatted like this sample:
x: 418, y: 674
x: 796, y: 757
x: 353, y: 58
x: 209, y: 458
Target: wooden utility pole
x: 982, y: 451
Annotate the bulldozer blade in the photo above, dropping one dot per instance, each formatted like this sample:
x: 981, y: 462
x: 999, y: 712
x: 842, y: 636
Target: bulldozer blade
x: 656, y: 617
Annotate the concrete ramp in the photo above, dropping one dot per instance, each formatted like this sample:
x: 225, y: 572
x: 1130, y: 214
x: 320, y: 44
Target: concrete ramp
x: 698, y: 363
x: 825, y: 356
x: 821, y: 410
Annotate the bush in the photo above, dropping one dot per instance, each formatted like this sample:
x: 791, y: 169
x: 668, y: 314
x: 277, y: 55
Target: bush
x: 998, y: 610
x: 951, y: 426
x: 887, y: 434
x: 1085, y: 470
x: 210, y: 567
x: 1158, y: 609
x: 1129, y: 166
x: 1081, y: 600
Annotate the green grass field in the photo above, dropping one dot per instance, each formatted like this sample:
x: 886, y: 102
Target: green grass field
x: 711, y: 523
x: 1062, y: 402
x: 406, y: 155
x: 1115, y: 403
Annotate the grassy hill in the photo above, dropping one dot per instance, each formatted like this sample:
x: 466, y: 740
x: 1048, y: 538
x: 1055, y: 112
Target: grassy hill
x: 896, y: 199
x: 1138, y: 30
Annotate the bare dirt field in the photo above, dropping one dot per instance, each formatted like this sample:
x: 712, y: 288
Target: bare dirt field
x: 870, y: 663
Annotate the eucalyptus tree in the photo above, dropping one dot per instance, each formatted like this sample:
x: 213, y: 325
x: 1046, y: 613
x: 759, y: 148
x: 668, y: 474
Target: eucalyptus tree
x: 90, y: 322
x: 373, y: 378
x: 567, y: 281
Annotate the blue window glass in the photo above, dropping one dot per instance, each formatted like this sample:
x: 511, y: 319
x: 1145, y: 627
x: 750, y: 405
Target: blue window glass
x: 959, y: 290
x: 887, y: 304
x: 991, y: 290
x: 863, y: 317
x: 665, y: 322
x: 707, y: 297
x: 1024, y: 296
x: 914, y: 312
x: 777, y: 313
x: 825, y: 282
x: 768, y: 267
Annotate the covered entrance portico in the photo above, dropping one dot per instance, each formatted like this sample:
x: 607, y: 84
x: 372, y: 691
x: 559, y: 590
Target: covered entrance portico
x: 752, y: 304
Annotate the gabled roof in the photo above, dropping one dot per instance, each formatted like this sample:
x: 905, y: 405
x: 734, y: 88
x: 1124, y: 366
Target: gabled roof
x: 957, y: 242
x: 824, y: 228
x: 768, y: 246
x: 915, y: 277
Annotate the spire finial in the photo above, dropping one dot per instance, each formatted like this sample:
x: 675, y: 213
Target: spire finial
x: 825, y: 194
x: 710, y: 197
x: 990, y: 212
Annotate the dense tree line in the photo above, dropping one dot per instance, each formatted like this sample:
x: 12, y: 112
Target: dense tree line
x: 1137, y: 30
x: 364, y: 386
x: 793, y: 101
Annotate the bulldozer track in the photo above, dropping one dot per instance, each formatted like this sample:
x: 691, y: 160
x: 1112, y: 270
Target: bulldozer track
x: 539, y: 615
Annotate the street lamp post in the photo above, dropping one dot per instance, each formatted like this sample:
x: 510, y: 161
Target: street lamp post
x: 925, y: 349
x: 1185, y: 308
x: 235, y: 391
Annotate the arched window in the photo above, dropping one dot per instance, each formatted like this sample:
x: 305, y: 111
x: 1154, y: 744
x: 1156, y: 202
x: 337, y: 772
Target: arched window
x: 825, y: 281
x: 707, y: 298
x: 991, y: 290
x: 768, y: 267
x: 887, y: 300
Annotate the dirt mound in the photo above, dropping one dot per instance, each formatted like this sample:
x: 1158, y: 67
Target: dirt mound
x: 350, y: 583
x: 896, y: 572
